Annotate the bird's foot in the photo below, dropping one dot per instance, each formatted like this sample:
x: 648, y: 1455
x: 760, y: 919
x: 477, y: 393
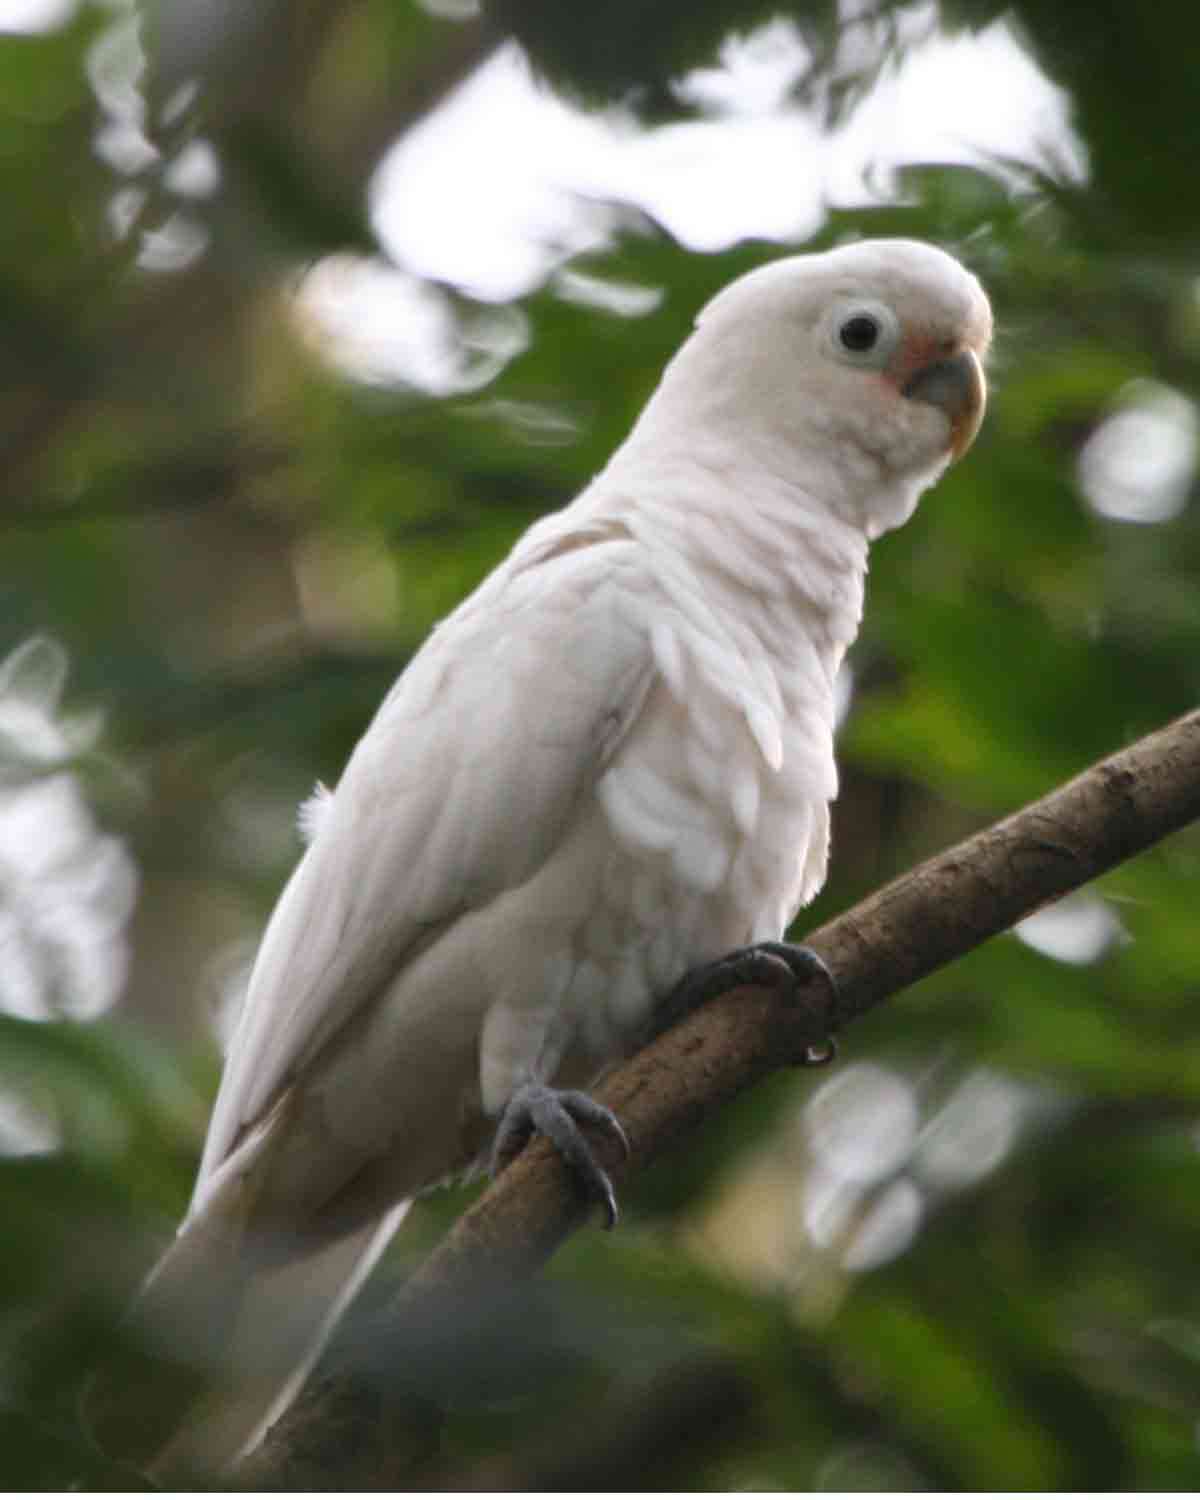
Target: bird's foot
x: 557, y: 1114
x: 786, y: 967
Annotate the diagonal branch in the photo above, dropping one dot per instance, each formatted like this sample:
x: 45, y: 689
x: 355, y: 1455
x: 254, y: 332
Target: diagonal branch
x: 920, y: 922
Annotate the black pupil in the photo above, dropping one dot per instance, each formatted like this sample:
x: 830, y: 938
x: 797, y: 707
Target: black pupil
x: 859, y: 333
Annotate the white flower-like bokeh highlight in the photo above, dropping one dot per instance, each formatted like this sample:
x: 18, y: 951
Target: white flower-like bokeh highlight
x: 67, y: 889
x: 1140, y: 463
x: 383, y: 326
x: 848, y: 1186
x: 879, y: 1162
x: 506, y: 181
x: 117, y: 70
x: 1079, y: 929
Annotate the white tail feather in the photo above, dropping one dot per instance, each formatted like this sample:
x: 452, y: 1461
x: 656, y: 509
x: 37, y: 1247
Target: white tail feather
x: 265, y: 1325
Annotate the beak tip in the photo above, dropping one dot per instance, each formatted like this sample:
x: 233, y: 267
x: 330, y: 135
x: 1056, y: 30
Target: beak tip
x: 964, y: 430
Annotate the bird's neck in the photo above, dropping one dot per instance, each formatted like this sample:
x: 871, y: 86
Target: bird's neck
x: 790, y: 565
x: 711, y: 414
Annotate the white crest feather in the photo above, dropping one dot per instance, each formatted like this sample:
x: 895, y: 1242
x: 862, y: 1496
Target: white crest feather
x: 312, y: 811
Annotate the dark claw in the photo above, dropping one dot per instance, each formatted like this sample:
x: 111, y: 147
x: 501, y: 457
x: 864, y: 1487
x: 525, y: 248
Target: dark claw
x: 557, y: 1114
x: 820, y: 1056
x: 791, y: 963
x: 786, y: 967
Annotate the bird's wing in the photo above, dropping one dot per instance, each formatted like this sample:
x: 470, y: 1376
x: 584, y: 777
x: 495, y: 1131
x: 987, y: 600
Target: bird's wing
x: 462, y: 786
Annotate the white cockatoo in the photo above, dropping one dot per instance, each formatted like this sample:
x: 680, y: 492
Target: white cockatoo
x: 611, y: 765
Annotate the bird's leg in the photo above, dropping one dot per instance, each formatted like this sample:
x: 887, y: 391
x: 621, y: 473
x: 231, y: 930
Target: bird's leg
x: 786, y: 967
x: 557, y: 1114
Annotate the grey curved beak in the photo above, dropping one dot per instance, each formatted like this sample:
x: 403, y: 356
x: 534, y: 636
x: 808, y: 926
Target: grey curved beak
x: 956, y: 386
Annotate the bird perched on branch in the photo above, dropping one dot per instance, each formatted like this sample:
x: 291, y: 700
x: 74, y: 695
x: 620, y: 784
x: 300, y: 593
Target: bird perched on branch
x: 609, y: 768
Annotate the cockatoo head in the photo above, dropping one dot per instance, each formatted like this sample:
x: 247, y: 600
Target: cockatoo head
x: 856, y: 374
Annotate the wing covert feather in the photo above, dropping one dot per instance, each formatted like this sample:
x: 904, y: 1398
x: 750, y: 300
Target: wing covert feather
x: 461, y: 787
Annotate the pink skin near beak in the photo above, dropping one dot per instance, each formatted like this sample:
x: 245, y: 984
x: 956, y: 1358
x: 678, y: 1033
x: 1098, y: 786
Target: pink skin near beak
x: 952, y: 380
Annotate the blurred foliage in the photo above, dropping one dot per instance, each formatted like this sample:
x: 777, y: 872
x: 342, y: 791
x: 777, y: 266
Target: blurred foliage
x: 968, y: 1264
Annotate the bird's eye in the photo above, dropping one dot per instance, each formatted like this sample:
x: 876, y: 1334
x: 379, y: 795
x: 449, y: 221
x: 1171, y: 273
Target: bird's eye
x: 859, y: 333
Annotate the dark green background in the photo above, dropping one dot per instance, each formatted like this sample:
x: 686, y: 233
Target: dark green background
x: 170, y: 448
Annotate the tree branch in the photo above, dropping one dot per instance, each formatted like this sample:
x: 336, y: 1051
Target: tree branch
x: 920, y: 922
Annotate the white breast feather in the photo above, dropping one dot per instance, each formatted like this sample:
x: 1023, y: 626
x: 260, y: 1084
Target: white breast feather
x: 463, y: 821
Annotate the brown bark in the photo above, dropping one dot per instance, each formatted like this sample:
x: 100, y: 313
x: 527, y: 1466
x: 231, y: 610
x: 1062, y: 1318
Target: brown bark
x: 918, y: 923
